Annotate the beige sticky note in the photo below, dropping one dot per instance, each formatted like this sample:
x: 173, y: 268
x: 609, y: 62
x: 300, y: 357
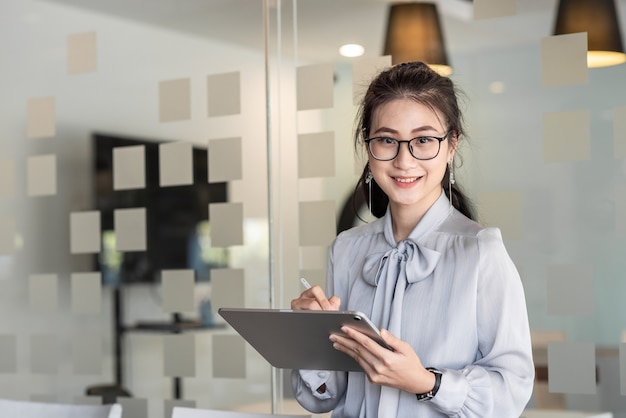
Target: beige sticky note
x: 8, y: 235
x: 572, y: 367
x: 82, y: 53
x: 44, y: 354
x: 489, y: 9
x: 225, y: 156
x: 564, y: 59
x: 87, y: 354
x: 175, y: 164
x: 318, y: 225
x: 175, y: 100
x: 316, y: 154
x: 570, y: 289
x: 42, y: 175
x: 363, y: 71
x: 178, y: 290
x: 226, y: 224
x: 228, y: 288
x: 620, y: 211
x: 502, y: 210
x: 86, y: 292
x: 85, y: 232
x: 8, y: 353
x: 7, y: 177
x: 315, y: 87
x: 179, y: 354
x: 134, y: 407
x: 224, y: 94
x: 41, y: 118
x: 130, y: 229
x: 566, y: 136
x: 43, y: 293
x: 619, y: 131
x: 229, y: 356
x: 129, y: 167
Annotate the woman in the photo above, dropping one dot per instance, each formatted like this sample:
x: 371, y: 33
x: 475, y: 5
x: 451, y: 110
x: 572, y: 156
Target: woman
x: 442, y: 288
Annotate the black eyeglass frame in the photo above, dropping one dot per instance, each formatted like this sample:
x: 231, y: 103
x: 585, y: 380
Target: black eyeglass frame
x: 400, y: 141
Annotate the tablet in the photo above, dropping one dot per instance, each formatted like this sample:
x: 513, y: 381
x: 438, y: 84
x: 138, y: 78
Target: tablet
x: 294, y: 339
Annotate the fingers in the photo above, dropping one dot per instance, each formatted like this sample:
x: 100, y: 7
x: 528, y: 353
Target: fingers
x: 315, y: 299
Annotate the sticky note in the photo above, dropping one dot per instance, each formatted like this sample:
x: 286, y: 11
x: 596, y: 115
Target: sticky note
x: 179, y: 353
x: 564, y: 59
x: 43, y: 293
x: 85, y: 232
x: 42, y: 175
x: 619, y: 131
x: 229, y: 356
x: 314, y: 86
x: 228, y: 288
x: 489, y: 9
x: 130, y: 229
x: 41, y: 117
x: 178, y: 290
x: 44, y: 354
x: 572, y: 367
x: 570, y: 289
x: 175, y: 164
x: 502, y: 210
x: 8, y: 354
x: 316, y: 154
x: 7, y: 177
x: 175, y: 100
x: 86, y: 292
x: 226, y: 224
x: 363, y: 71
x: 82, y: 56
x: 87, y: 354
x: 318, y: 225
x: 224, y: 94
x: 129, y: 167
x: 566, y: 136
x: 225, y: 160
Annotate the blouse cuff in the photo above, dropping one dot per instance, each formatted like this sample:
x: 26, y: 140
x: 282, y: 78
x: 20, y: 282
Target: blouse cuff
x: 313, y: 379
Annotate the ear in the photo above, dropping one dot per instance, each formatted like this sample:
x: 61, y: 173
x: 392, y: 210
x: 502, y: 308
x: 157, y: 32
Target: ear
x: 453, y: 142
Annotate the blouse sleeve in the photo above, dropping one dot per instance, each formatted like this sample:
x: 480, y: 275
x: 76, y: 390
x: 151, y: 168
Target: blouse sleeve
x: 499, y: 383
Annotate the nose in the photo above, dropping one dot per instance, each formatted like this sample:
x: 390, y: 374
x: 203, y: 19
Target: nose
x: 404, y: 157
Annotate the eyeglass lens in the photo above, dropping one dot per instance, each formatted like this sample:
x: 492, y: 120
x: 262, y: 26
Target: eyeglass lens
x: 422, y: 148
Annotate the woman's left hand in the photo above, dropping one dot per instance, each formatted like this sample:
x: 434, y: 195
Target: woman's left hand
x: 400, y: 368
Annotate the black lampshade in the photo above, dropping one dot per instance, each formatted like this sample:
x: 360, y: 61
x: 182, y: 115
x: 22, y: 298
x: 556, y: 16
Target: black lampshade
x: 414, y: 34
x: 599, y: 19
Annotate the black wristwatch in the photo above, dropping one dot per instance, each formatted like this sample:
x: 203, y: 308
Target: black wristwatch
x: 431, y: 393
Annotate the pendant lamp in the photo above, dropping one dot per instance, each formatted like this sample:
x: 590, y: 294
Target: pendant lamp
x: 414, y: 34
x: 599, y: 19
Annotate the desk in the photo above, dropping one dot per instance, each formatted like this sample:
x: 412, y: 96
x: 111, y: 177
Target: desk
x: 552, y: 413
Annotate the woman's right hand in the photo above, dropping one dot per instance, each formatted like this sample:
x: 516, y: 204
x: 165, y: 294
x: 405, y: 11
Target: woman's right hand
x: 314, y: 299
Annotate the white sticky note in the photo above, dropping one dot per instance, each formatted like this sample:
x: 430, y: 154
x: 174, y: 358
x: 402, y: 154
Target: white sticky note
x: 44, y: 354
x: 82, y: 56
x: 318, y: 224
x: 175, y: 100
x: 179, y: 354
x: 566, y: 136
x: 316, y: 155
x: 620, y: 211
x: 619, y: 131
x: 489, y: 9
x: 315, y: 86
x: 228, y: 288
x: 363, y: 71
x: 229, y: 356
x: 8, y: 234
x: 564, y: 59
x: 572, y: 367
x: 175, y: 164
x: 224, y: 94
x: 178, y: 290
x: 85, y: 232
x: 8, y: 354
x: 129, y: 167
x: 42, y: 175
x: 226, y: 224
x: 43, y: 293
x: 41, y: 118
x: 7, y: 177
x: 130, y: 229
x: 225, y: 156
x: 570, y: 289
x: 502, y: 210
x: 87, y: 354
x: 86, y: 292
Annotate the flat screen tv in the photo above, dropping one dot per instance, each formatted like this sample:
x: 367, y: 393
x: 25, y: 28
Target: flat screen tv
x: 177, y: 220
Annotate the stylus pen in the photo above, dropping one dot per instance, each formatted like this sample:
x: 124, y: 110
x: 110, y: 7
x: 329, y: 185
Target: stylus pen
x: 305, y: 283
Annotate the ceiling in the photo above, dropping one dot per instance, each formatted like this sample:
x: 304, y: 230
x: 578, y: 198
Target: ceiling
x: 324, y: 25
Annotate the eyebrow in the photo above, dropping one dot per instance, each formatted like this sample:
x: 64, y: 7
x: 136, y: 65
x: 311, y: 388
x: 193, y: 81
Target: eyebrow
x: 384, y: 129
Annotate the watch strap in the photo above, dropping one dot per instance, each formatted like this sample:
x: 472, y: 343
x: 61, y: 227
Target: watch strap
x: 431, y: 393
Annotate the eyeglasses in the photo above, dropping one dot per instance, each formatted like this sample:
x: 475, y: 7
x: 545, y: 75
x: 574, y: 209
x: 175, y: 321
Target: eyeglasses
x: 384, y: 148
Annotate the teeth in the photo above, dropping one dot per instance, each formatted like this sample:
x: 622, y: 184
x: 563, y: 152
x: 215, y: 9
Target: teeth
x: 411, y: 180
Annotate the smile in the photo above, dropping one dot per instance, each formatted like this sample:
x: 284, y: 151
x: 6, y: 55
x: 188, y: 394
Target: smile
x: 406, y: 180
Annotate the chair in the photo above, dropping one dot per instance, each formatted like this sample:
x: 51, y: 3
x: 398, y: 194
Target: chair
x: 182, y: 412
x: 28, y: 409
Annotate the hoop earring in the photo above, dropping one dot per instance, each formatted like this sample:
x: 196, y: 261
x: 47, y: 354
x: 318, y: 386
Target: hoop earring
x: 451, y: 180
x: 368, y: 180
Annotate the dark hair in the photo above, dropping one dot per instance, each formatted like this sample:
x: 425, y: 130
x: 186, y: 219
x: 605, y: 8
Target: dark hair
x: 418, y: 82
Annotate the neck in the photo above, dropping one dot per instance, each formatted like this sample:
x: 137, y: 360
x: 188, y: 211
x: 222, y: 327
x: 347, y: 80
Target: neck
x: 405, y: 218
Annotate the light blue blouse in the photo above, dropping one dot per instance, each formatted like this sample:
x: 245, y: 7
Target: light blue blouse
x: 464, y: 313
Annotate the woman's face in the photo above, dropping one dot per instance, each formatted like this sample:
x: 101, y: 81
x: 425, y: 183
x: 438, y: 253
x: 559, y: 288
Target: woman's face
x: 408, y: 182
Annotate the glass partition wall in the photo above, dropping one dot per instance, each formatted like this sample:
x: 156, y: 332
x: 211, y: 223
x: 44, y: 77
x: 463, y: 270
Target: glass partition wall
x: 162, y: 160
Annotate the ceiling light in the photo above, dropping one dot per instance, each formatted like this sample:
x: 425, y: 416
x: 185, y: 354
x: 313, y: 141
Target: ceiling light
x: 351, y: 50
x: 599, y: 19
x: 414, y: 34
